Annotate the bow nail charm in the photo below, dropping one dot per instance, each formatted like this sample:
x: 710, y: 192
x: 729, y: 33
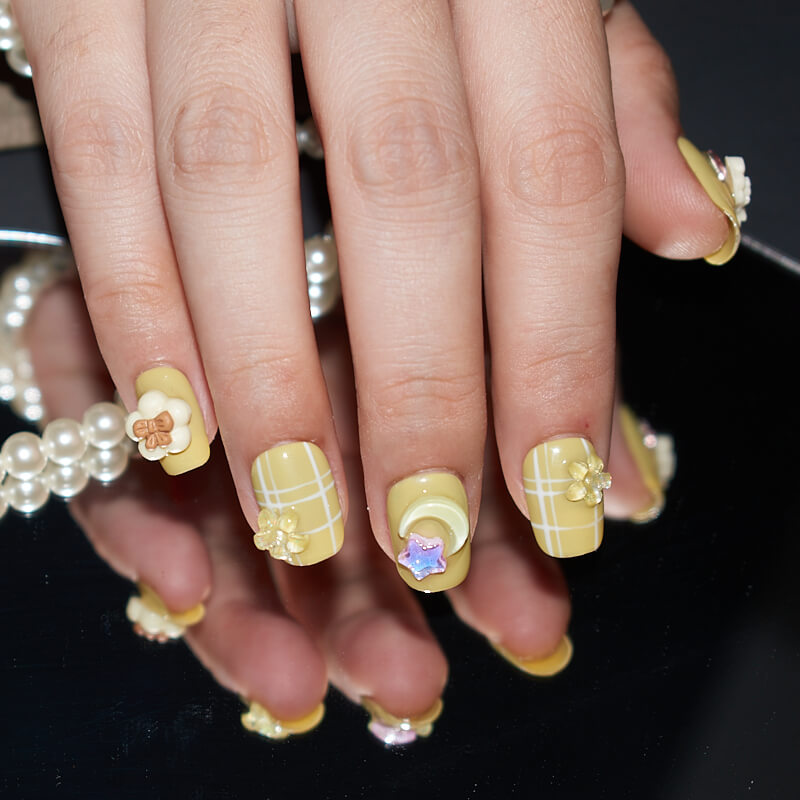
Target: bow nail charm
x: 160, y: 425
x: 278, y: 534
x: 155, y: 432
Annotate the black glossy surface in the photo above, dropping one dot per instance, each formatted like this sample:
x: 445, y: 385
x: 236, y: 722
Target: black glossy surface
x: 686, y: 676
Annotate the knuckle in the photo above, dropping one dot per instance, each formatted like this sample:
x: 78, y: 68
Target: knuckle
x: 561, y: 158
x: 565, y: 359
x: 402, y: 399
x: 253, y: 369
x: 132, y: 284
x: 99, y: 145
x: 407, y: 150
x: 225, y: 136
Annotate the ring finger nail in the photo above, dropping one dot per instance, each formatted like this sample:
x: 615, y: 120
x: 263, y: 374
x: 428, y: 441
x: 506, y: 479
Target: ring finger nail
x: 429, y: 523
x: 394, y: 730
x: 300, y: 520
x: 725, y: 182
x: 168, y: 423
x: 564, y: 483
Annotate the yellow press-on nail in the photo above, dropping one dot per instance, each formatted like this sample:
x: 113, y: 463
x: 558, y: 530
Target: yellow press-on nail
x: 541, y: 667
x: 564, y: 483
x: 645, y: 457
x: 400, y: 730
x: 261, y: 721
x: 300, y: 520
x: 429, y: 525
x: 152, y: 619
x: 720, y: 196
x: 174, y: 384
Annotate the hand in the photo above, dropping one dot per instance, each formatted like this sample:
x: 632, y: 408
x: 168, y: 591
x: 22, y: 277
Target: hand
x: 276, y: 636
x: 447, y: 130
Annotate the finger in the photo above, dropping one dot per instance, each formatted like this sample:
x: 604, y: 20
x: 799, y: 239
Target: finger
x: 514, y: 596
x: 144, y: 542
x: 402, y: 175
x: 178, y: 540
x: 667, y: 210
x: 228, y: 169
x: 553, y: 186
x: 378, y: 646
x: 92, y: 90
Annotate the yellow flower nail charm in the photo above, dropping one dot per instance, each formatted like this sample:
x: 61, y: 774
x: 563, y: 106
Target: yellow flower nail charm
x: 589, y: 481
x: 278, y: 534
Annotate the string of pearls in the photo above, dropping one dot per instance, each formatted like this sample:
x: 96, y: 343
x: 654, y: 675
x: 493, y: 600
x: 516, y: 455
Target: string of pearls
x: 11, y: 42
x: 69, y: 453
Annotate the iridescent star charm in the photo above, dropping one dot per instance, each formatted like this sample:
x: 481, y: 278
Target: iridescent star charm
x: 423, y: 556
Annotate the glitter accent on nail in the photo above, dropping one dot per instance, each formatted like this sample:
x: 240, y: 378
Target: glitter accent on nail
x: 423, y: 556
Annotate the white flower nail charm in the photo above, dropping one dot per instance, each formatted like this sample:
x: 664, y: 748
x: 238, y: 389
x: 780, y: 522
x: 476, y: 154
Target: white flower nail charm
x: 160, y: 425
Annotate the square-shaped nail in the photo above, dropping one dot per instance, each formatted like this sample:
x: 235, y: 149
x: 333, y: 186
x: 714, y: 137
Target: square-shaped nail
x: 168, y: 424
x: 564, y: 483
x: 300, y: 520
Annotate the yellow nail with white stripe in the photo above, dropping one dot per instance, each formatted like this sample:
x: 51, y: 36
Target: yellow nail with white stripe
x: 300, y: 520
x: 564, y: 482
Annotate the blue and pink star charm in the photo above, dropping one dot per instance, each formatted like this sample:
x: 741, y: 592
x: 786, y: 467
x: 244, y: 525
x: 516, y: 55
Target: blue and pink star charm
x: 423, y: 556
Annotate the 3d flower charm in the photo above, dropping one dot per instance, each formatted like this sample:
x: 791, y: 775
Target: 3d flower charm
x: 589, y: 480
x: 278, y: 534
x: 423, y: 556
x: 731, y: 171
x: 160, y: 425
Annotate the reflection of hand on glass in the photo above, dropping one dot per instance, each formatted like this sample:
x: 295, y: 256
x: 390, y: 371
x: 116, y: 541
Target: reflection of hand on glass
x: 276, y: 637
x: 457, y: 137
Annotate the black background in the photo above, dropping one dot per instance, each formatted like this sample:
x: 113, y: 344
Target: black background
x: 686, y: 677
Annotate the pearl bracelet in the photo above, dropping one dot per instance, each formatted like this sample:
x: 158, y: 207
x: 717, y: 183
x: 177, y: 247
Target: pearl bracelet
x: 69, y: 453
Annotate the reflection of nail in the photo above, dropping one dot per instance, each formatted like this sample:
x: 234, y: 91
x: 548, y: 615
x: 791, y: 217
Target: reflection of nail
x: 300, y: 521
x: 154, y: 621
x: 726, y: 184
x: 259, y: 720
x: 654, y: 455
x: 429, y: 525
x: 564, y: 483
x: 541, y: 667
x: 168, y: 424
x: 394, y: 730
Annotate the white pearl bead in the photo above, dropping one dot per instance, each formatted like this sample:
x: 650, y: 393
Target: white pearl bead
x: 322, y: 261
x: 65, y: 481
x: 22, y: 456
x: 323, y: 297
x: 104, y: 425
x: 63, y: 442
x: 18, y: 60
x: 25, y: 496
x: 106, y: 465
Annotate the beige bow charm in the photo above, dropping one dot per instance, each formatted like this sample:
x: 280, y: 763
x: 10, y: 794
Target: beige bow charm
x: 278, y: 534
x: 155, y: 432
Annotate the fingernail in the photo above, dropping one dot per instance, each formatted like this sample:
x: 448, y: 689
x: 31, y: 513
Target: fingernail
x: 168, y: 423
x: 725, y: 182
x: 300, y: 520
x: 541, y: 667
x: 429, y: 524
x: 654, y: 456
x: 259, y: 720
x: 564, y: 483
x: 152, y: 619
x: 394, y: 730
